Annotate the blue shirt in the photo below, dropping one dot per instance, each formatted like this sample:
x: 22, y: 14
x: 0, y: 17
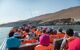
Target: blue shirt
x: 13, y: 42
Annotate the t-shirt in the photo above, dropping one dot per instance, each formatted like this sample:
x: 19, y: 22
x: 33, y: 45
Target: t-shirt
x: 74, y: 44
x: 41, y: 47
x: 13, y: 42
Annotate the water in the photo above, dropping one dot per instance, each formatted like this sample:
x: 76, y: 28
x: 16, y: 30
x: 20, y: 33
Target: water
x: 65, y: 27
x: 4, y: 33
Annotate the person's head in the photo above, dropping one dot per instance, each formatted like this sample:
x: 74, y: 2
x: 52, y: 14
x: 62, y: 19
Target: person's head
x: 44, y: 31
x: 27, y: 30
x: 44, y: 40
x: 34, y: 29
x: 38, y: 29
x: 60, y: 30
x: 20, y: 30
x: 70, y: 32
x: 14, y: 29
x: 51, y: 31
x: 55, y: 32
x: 76, y: 34
x: 24, y: 25
x: 11, y: 33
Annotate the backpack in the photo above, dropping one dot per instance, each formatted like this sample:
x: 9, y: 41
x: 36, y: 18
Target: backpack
x: 58, y: 44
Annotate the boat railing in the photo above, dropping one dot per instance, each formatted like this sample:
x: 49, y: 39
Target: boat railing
x: 3, y: 45
x: 22, y: 47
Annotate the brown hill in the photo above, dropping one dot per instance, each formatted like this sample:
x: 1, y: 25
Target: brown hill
x: 73, y: 12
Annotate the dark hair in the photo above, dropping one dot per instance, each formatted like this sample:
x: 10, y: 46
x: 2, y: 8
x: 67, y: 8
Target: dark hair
x: 70, y: 32
x: 51, y: 31
x: 27, y: 30
x: 33, y: 27
x: 11, y: 34
x: 44, y: 31
x: 60, y: 30
x: 54, y: 31
x: 24, y: 24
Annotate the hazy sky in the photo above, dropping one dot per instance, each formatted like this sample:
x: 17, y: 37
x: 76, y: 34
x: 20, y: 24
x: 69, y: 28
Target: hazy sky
x: 14, y: 10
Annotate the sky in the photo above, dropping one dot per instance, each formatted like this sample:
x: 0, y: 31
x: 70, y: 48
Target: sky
x: 15, y: 10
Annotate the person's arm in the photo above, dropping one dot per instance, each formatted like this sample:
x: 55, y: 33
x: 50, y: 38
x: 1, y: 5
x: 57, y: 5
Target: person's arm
x: 63, y: 44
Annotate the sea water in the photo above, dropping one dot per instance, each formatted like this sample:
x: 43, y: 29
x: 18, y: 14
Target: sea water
x: 64, y: 27
x: 4, y: 31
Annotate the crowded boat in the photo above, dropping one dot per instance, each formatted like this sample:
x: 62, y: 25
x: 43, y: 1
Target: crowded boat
x: 29, y: 37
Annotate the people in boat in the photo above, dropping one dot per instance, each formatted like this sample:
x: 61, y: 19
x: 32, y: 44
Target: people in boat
x: 46, y: 36
x: 60, y: 34
x: 30, y: 37
x: 19, y: 30
x: 44, y: 43
x: 13, y: 30
x: 43, y: 31
x: 70, y: 42
x: 58, y: 39
x: 49, y: 30
x: 76, y: 34
x: 53, y: 36
x: 14, y: 42
x: 38, y: 32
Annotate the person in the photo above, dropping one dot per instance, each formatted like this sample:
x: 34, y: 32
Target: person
x: 43, y: 31
x: 38, y: 32
x: 31, y: 35
x: 44, y: 43
x: 70, y: 42
x: 53, y: 35
x: 74, y: 45
x: 13, y: 43
x: 49, y: 30
x: 61, y: 34
x: 76, y: 34
x: 59, y: 38
x: 11, y: 33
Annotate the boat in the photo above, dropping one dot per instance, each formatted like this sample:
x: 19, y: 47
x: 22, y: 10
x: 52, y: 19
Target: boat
x: 3, y: 45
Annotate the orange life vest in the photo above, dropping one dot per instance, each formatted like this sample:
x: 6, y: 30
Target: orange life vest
x: 38, y: 32
x: 61, y: 35
x: 40, y: 47
x: 52, y: 37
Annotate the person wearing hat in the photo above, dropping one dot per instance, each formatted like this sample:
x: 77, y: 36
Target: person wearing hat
x: 44, y: 43
x: 13, y: 43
